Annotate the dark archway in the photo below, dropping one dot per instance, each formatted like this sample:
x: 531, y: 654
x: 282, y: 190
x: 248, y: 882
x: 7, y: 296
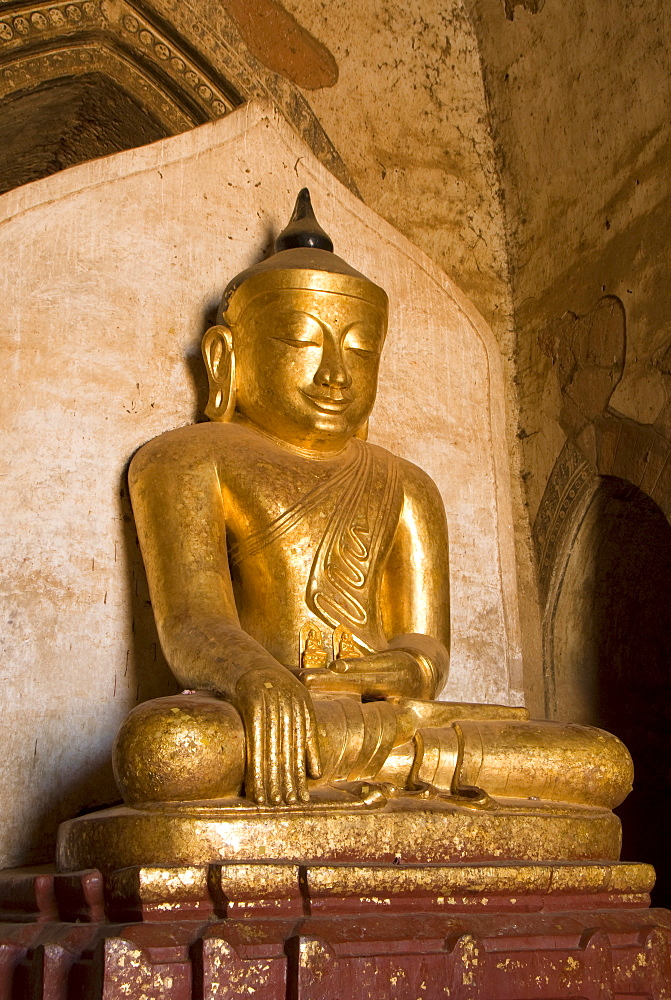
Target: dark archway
x: 65, y: 122
x: 612, y: 654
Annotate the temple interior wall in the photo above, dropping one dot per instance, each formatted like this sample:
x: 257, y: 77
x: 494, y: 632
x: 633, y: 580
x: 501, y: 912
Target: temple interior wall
x: 580, y: 102
x: 565, y: 187
x: 523, y: 145
x: 551, y: 214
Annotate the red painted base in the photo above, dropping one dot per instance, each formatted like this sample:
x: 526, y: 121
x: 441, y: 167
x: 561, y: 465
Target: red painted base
x: 66, y: 941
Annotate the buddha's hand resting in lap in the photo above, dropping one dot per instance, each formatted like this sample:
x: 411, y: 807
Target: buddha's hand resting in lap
x: 281, y: 735
x: 391, y: 673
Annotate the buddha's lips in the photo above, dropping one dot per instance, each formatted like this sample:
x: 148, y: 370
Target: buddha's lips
x: 327, y: 403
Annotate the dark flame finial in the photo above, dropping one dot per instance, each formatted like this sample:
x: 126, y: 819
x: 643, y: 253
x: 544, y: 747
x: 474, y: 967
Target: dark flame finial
x: 303, y: 229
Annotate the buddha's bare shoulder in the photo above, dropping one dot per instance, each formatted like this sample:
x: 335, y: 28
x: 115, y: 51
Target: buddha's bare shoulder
x: 419, y: 489
x: 195, y: 445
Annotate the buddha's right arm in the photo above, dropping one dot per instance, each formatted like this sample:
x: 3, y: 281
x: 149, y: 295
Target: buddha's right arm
x: 180, y: 518
x: 181, y: 524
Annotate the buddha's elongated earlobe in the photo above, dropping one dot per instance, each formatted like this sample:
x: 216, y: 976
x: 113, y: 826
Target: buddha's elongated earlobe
x: 219, y: 358
x: 362, y: 433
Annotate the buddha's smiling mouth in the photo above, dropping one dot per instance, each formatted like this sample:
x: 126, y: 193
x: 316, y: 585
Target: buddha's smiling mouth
x: 327, y: 404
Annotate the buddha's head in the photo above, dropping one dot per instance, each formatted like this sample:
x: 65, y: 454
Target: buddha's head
x: 297, y: 346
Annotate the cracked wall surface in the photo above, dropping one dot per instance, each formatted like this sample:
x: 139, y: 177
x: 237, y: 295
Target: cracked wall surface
x: 580, y: 99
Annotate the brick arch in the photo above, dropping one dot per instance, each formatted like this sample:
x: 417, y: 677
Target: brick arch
x: 637, y: 453
x: 615, y: 447
x: 84, y: 79
x: 607, y: 645
x: 568, y: 494
x: 588, y: 353
x: 609, y: 446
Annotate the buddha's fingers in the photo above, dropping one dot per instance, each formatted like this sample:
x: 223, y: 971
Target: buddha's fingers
x: 311, y: 675
x: 328, y: 681
x: 353, y: 664
x: 288, y: 753
x: 272, y: 748
x: 255, y: 786
x: 311, y: 743
x: 392, y: 672
x: 299, y: 743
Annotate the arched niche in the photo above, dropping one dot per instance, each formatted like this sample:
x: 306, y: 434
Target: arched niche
x: 608, y: 647
x: 80, y: 79
x: 103, y: 353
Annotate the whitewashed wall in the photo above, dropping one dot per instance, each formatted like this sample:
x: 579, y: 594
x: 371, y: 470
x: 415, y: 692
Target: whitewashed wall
x: 109, y: 272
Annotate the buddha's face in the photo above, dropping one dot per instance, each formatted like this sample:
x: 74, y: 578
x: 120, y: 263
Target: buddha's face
x: 307, y: 365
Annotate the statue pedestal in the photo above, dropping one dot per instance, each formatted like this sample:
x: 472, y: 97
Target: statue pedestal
x: 504, y: 931
x: 405, y: 829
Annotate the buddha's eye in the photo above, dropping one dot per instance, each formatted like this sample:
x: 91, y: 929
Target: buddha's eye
x: 363, y: 351
x: 363, y: 341
x: 298, y: 342
x: 298, y: 330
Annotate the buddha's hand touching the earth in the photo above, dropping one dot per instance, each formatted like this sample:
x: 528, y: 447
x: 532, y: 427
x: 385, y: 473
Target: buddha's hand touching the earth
x: 281, y: 735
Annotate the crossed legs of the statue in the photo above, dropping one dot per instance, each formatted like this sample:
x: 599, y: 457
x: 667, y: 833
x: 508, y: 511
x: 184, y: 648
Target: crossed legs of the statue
x: 192, y: 747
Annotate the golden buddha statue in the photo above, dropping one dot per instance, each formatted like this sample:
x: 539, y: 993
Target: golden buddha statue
x: 299, y: 580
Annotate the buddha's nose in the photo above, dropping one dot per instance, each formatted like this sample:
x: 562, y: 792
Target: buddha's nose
x: 332, y: 369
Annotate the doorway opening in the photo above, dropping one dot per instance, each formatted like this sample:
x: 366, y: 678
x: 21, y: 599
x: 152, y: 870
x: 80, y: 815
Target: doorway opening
x: 611, y: 655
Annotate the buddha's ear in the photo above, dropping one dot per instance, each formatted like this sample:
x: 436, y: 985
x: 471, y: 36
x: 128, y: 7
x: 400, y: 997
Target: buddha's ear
x: 219, y: 359
x: 362, y: 433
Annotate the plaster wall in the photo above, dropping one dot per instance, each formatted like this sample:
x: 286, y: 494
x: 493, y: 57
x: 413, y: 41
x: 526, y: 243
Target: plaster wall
x: 409, y: 117
x: 116, y: 269
x: 580, y: 99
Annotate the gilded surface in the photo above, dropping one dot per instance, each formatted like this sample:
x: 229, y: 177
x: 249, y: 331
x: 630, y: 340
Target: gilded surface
x: 300, y: 581
x: 180, y: 886
x: 406, y: 830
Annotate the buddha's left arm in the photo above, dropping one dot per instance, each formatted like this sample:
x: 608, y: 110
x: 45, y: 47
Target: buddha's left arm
x: 416, y: 588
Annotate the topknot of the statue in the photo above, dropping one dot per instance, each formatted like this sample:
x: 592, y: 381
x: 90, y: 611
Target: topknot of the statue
x: 303, y: 229
x: 303, y: 258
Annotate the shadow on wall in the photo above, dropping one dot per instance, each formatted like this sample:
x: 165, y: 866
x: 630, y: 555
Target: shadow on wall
x: 611, y: 654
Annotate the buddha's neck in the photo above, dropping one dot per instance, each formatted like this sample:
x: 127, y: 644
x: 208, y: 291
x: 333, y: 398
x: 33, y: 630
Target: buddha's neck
x: 318, y: 455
